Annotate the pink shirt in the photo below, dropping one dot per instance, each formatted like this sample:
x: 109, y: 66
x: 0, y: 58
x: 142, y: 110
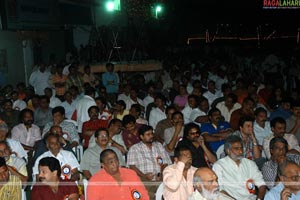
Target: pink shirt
x: 103, y: 186
x: 24, y: 136
x: 175, y: 185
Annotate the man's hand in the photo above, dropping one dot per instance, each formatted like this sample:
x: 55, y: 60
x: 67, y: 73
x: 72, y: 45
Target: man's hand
x: 201, y: 141
x: 149, y: 176
x: 285, y: 194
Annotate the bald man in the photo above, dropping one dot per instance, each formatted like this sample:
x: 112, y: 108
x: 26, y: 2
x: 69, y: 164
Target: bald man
x: 206, y: 186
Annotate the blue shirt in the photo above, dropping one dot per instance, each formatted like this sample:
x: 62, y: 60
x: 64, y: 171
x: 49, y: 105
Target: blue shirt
x: 210, y: 129
x: 274, y: 193
x: 280, y: 112
x: 111, y: 82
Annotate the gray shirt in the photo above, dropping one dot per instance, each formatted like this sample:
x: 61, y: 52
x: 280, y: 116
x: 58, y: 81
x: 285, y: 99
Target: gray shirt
x: 91, y: 159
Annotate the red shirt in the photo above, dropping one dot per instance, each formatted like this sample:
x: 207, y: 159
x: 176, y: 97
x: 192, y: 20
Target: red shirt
x: 92, y: 125
x: 103, y: 186
x: 44, y: 192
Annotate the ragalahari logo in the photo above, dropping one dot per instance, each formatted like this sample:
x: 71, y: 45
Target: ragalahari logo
x: 281, y: 4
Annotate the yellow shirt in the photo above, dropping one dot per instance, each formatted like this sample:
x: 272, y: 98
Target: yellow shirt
x: 12, y: 189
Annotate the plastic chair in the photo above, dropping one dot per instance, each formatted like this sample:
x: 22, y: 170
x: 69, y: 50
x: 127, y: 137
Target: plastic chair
x: 220, y: 152
x: 85, y: 184
x: 159, y: 192
x: 78, y: 150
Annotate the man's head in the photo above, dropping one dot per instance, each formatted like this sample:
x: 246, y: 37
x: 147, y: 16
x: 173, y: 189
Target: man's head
x: 191, y: 132
x: 115, y: 126
x: 58, y: 114
x: 48, y: 92
x: 120, y: 105
x: 4, y: 172
x: 169, y: 111
x: 192, y: 101
x: 129, y: 123
x: 52, y: 142
x: 289, y: 175
x: 90, y: 91
x: 233, y: 147
x: 110, y: 67
x: 56, y: 130
x: 206, y: 182
x: 230, y: 100
x: 146, y: 134
x: 135, y: 110
x: 246, y: 125
x: 109, y: 161
x: 203, y: 104
x: 3, y: 130
x: 93, y: 112
x: 278, y: 149
x: 101, y: 137
x: 248, y: 105
x: 286, y: 104
x: 101, y: 102
x: 214, y: 115
x: 26, y: 116
x: 44, y: 102
x: 49, y: 170
x: 159, y: 101
x: 177, y: 117
x: 183, y: 154
x: 5, y: 150
x: 296, y: 108
x: 7, y: 105
x: 278, y: 126
x: 260, y: 115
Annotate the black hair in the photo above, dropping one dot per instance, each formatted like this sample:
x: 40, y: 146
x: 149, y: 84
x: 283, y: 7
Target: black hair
x: 276, y: 120
x: 93, y: 107
x: 180, y: 149
x: 188, y: 127
x: 244, y: 119
x: 213, y: 110
x: 2, y: 162
x: 52, y: 163
x: 128, y: 119
x: 97, y: 132
x: 105, y: 152
x: 113, y: 121
x: 259, y: 110
x: 58, y: 109
x: 144, y: 128
x: 23, y: 112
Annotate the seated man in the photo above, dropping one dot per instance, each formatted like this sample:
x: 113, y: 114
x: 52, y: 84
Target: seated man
x: 51, y: 187
x: 123, y: 184
x: 237, y: 175
x: 278, y: 149
x: 15, y: 165
x: 41, y: 146
x: 68, y: 162
x: 148, y: 159
x: 289, y: 187
x: 201, y: 152
x: 10, y: 185
x: 178, y: 178
x: 89, y: 127
x: 278, y: 127
x: 90, y: 162
x: 15, y: 146
x: 206, y: 186
x: 216, y: 131
x: 69, y: 128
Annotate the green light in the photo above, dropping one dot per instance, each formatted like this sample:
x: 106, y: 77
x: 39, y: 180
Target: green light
x: 110, y: 6
x: 158, y: 8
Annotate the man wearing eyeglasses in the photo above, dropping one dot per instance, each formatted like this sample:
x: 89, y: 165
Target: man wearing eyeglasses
x: 90, y: 162
x: 201, y: 152
x: 289, y: 187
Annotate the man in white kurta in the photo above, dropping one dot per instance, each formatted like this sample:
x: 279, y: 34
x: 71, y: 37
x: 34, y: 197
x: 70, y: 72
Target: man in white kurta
x: 238, y: 176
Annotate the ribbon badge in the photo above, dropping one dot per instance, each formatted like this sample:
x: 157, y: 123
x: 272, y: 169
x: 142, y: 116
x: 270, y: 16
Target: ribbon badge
x: 136, y: 195
x: 66, y: 171
x: 160, y: 161
x: 250, y: 186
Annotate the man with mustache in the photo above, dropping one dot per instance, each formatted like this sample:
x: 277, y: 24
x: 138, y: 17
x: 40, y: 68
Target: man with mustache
x: 51, y: 187
x: 206, y: 186
x: 237, y: 175
x: 26, y: 132
x: 148, y: 159
x: 178, y: 178
x: 261, y: 125
x: 216, y: 131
